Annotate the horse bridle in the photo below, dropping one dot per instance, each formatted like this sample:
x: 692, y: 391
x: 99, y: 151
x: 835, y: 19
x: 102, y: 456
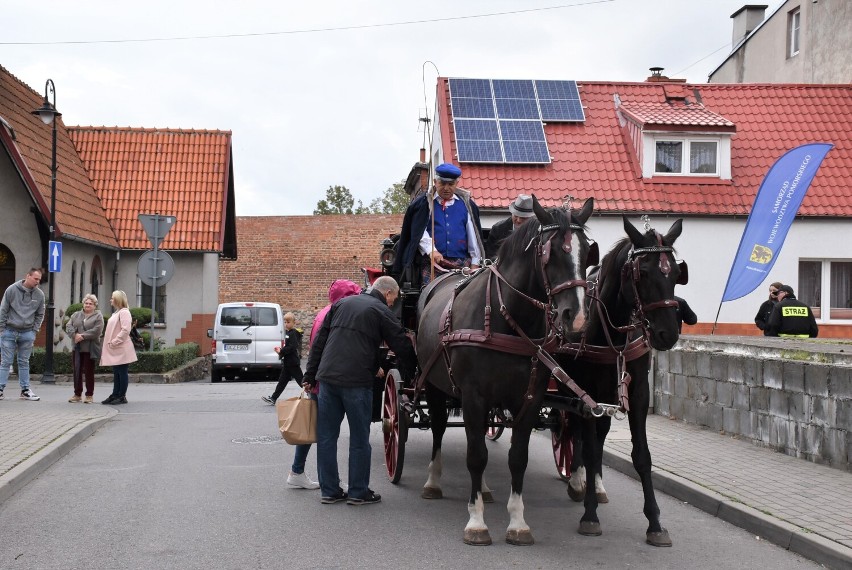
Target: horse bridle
x: 631, y: 268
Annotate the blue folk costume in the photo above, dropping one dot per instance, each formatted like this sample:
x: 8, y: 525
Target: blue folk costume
x: 448, y: 240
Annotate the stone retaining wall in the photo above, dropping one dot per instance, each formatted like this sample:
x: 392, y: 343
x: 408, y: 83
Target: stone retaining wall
x: 197, y: 369
x: 797, y: 401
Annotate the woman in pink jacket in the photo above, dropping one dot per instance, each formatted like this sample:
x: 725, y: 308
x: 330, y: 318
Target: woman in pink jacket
x: 118, y: 350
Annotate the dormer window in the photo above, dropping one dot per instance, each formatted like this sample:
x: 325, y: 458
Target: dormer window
x: 677, y: 138
x: 686, y: 156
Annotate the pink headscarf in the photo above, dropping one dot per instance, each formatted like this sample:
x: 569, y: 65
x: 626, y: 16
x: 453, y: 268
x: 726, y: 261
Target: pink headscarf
x: 339, y: 289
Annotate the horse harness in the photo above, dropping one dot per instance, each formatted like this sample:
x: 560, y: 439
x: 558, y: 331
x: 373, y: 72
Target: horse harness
x: 553, y: 342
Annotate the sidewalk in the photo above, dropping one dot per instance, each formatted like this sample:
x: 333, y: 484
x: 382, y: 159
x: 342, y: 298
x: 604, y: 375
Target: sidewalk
x: 799, y: 505
x: 33, y: 435
x: 796, y: 504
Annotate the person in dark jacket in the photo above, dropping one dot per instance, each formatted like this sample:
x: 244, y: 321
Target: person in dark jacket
x: 521, y: 210
x: 457, y: 241
x: 791, y: 317
x: 290, y: 356
x: 344, y: 359
x: 685, y: 314
x: 766, y: 308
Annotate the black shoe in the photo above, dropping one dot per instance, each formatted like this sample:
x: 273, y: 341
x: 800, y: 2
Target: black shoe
x: 340, y: 496
x: 370, y: 499
x: 119, y: 400
x: 110, y: 400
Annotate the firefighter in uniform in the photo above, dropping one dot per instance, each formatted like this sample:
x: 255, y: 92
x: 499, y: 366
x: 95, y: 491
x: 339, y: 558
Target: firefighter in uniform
x: 791, y: 317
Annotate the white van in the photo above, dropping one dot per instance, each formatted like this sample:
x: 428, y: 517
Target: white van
x: 244, y: 339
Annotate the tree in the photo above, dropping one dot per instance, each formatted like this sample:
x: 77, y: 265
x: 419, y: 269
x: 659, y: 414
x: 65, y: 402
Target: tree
x: 339, y: 200
x: 394, y: 201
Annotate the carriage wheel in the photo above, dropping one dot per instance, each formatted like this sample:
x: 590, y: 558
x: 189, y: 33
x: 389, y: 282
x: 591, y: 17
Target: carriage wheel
x: 395, y: 427
x: 495, y: 425
x: 563, y: 447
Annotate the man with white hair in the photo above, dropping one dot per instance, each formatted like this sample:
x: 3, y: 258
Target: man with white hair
x: 345, y: 357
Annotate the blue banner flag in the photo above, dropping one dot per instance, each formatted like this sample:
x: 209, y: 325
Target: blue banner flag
x: 775, y: 206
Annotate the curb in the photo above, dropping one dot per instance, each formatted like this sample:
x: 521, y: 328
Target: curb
x: 29, y: 469
x: 781, y: 533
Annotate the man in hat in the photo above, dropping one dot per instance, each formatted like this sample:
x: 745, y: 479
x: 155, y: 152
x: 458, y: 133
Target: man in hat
x: 790, y: 317
x: 456, y: 240
x: 521, y: 210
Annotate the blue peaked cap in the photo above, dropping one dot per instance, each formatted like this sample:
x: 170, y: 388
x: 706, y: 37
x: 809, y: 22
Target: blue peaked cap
x: 448, y: 172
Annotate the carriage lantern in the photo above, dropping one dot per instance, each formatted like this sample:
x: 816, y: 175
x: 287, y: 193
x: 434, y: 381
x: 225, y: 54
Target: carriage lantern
x: 388, y: 255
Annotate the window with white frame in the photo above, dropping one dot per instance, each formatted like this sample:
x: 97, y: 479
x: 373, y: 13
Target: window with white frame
x: 144, y: 298
x: 826, y: 286
x: 793, y: 22
x: 686, y: 156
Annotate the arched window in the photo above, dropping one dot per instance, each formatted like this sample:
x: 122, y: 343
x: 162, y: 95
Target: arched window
x: 73, y: 280
x: 82, y: 279
x: 97, y: 276
x: 7, y: 267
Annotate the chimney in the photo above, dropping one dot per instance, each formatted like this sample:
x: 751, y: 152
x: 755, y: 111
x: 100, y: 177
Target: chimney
x: 658, y: 77
x: 746, y: 19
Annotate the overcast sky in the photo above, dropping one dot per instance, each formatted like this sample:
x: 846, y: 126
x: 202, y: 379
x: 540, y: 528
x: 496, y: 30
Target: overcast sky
x: 326, y: 92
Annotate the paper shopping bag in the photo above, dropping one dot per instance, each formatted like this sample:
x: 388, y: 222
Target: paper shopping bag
x: 297, y: 419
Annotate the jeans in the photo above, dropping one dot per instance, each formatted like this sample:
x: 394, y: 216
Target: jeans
x: 21, y: 342
x: 301, y: 454
x: 356, y: 404
x: 120, y: 380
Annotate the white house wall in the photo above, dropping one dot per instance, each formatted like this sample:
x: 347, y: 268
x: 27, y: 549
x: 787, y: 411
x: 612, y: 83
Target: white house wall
x: 194, y: 288
x: 709, y: 247
x: 18, y: 229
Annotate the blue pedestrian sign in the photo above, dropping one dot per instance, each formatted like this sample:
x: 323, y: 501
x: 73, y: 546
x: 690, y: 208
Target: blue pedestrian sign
x: 54, y: 256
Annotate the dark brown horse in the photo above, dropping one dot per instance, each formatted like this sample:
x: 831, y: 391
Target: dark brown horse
x: 478, y: 342
x: 631, y: 305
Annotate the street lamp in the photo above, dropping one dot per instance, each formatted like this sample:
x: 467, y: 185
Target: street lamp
x: 48, y: 115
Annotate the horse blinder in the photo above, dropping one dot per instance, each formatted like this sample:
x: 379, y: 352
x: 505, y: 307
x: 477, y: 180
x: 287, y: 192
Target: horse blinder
x: 683, y: 278
x: 593, y: 257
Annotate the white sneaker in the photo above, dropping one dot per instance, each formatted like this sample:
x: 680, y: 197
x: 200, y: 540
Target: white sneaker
x: 29, y: 395
x: 301, y: 480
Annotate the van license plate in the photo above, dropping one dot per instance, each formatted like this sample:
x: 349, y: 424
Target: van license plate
x: 236, y: 347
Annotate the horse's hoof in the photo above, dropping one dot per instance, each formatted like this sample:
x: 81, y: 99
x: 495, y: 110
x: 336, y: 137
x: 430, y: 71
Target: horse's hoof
x: 519, y: 537
x: 432, y: 493
x: 577, y: 495
x: 477, y: 536
x: 660, y: 538
x: 602, y: 498
x: 589, y: 528
x: 487, y: 497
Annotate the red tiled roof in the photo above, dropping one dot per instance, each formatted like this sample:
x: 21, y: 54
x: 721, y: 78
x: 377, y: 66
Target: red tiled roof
x: 181, y: 173
x: 650, y: 114
x: 595, y: 158
x: 79, y: 213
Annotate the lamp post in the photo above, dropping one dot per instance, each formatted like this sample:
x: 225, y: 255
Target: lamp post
x: 48, y: 115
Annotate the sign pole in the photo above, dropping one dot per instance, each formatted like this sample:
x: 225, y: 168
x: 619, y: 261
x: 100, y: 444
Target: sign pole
x: 154, y: 278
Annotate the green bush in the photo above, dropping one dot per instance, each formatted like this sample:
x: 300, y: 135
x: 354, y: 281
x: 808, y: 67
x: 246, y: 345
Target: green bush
x: 152, y: 362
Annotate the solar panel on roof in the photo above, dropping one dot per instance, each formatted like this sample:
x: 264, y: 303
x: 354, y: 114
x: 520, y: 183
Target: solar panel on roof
x: 478, y: 140
x: 524, y: 141
x: 559, y: 101
x: 500, y: 120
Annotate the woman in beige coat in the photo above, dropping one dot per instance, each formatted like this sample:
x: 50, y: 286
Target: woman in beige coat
x: 85, y: 327
x: 118, y: 350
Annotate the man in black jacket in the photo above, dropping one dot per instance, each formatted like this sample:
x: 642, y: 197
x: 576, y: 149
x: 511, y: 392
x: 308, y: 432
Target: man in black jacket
x: 345, y: 358
x: 766, y: 308
x: 791, y: 317
x: 521, y: 210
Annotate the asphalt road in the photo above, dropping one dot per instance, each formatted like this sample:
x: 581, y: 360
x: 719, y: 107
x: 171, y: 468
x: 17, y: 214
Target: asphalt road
x: 193, y: 476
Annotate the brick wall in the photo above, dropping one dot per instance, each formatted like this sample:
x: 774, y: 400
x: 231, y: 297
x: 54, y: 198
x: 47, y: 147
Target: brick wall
x: 292, y: 260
